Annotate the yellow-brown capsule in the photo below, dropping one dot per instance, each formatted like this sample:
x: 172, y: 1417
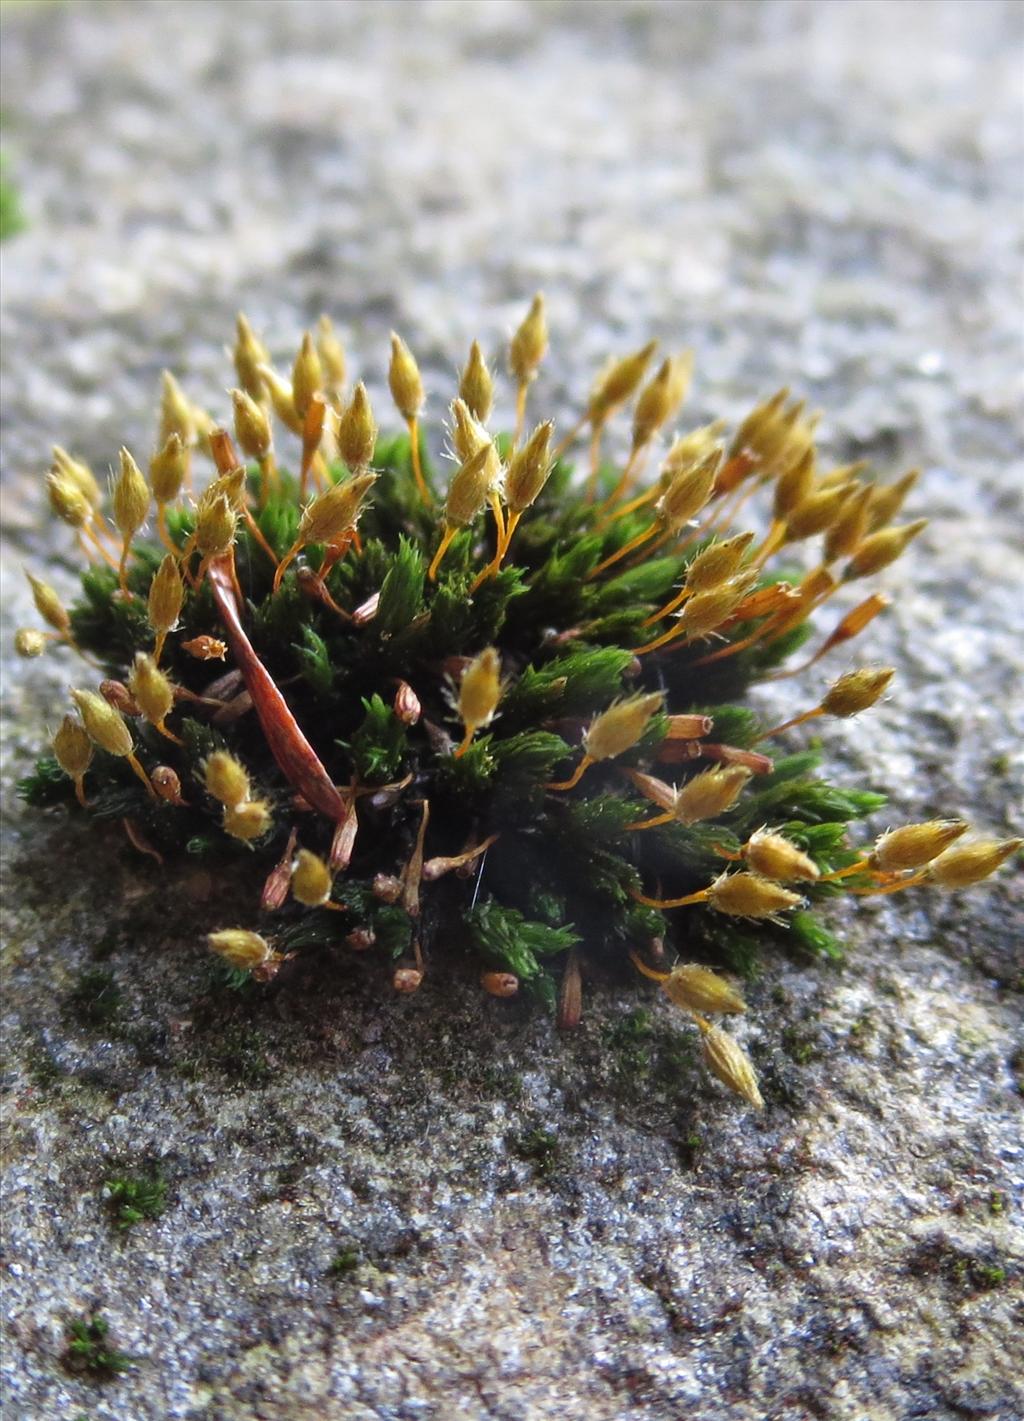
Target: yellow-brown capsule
x: 856, y: 691
x: 793, y: 486
x: 621, y: 726
x: 880, y: 549
x: 748, y: 895
x: 247, y: 821
x: 406, y: 704
x: 151, y: 689
x: 282, y: 399
x: 29, y: 643
x: 168, y: 469
x: 528, y: 469
x: 816, y: 513
x: 480, y: 690
x: 252, y: 427
x: 846, y: 534
x: 226, y: 778
x: 476, y: 387
x: 709, y: 794
x: 129, y: 496
x: 177, y: 414
x: 690, y: 449
x: 307, y: 376
x: 311, y: 879
x: 332, y: 357
x: 727, y: 1060
x: 966, y: 864
x: 470, y: 485
x: 206, y: 648
x: 357, y: 431
x: 249, y: 354
x: 72, y: 748
x: 500, y: 984
x: 887, y: 499
x: 167, y: 785
x: 215, y: 526
x: 468, y: 435
x: 336, y: 510
x: 706, y: 611
x: 48, y: 604
x: 717, y: 563
x: 530, y: 342
x: 80, y: 475
x: 618, y: 381
x: 240, y: 948
x: 105, y: 725
x: 659, y: 400
x: 688, y: 491
x: 67, y: 500
x: 774, y: 856
x: 914, y: 845
x: 697, y: 988
x: 404, y: 380
x: 166, y: 595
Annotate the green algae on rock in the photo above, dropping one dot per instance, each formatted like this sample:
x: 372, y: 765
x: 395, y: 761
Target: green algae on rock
x: 501, y: 725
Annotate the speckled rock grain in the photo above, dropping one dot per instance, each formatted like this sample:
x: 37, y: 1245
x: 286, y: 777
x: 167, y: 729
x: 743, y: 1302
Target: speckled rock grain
x: 433, y: 1208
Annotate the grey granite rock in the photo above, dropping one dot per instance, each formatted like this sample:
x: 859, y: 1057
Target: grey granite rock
x: 432, y: 1208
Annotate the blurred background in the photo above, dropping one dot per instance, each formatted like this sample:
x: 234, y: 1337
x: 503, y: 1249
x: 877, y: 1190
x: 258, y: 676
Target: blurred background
x: 821, y: 193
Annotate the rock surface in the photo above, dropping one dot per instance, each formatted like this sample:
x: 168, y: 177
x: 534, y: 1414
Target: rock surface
x: 432, y: 1208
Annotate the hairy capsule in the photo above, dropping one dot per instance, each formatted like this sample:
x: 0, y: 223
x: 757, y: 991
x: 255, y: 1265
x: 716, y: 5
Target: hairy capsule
x: 528, y: 469
x: 856, y: 691
x: 618, y: 381
x: 332, y: 357
x: 480, y: 690
x: 72, y: 747
x: 727, y: 1060
x: 151, y: 690
x: 476, y: 386
x: 166, y: 595
x: 913, y: 845
x: 226, y: 778
x: 357, y: 431
x: 252, y: 427
x: 774, y: 856
x: 697, y: 988
x: 879, y: 549
x: 247, y: 821
x: 748, y: 895
x: 168, y: 469
x: 965, y: 864
x: 307, y: 376
x: 311, y: 879
x: 530, y: 342
x: 104, y: 724
x: 404, y: 379
x: 618, y: 728
x: 709, y: 794
x: 48, y: 604
x: 240, y: 948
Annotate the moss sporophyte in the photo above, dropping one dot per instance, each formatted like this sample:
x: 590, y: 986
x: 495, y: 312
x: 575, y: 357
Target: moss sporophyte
x: 494, y: 719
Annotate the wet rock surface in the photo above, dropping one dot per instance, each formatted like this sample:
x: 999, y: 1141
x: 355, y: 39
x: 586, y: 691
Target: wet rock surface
x: 433, y: 1207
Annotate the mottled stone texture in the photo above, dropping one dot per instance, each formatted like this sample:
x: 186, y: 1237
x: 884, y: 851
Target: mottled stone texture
x: 521, y: 1227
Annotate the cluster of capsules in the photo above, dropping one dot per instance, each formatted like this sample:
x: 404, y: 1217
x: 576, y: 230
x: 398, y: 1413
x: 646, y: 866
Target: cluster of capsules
x: 692, y: 504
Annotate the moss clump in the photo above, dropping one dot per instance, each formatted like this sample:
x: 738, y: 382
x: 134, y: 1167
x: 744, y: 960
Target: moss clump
x: 501, y: 724
x: 131, y: 1198
x: 89, y: 1351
